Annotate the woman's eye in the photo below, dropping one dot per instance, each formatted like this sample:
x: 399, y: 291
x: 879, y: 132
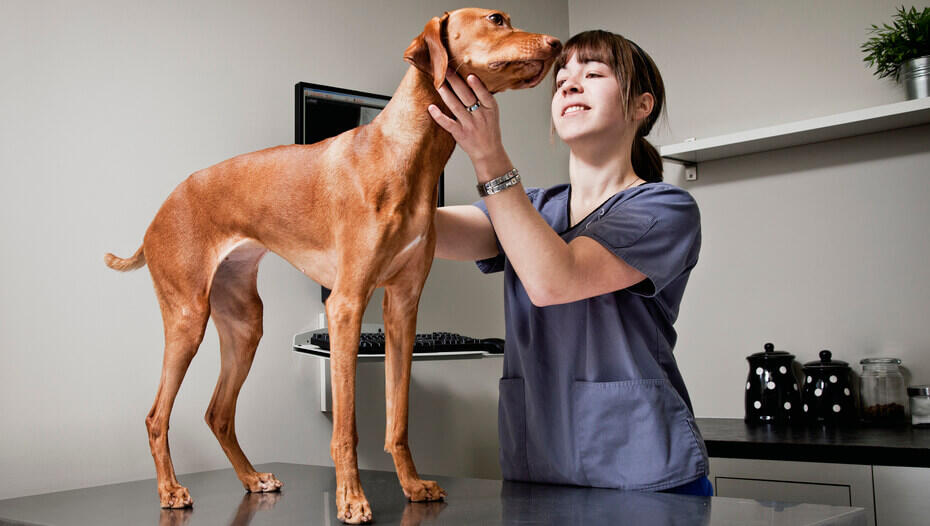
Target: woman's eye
x: 559, y: 83
x: 497, y: 19
x: 592, y: 74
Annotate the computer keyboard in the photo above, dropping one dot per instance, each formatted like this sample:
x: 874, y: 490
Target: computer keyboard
x: 428, y: 343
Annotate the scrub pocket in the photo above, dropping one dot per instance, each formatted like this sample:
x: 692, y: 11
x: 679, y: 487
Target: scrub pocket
x: 634, y: 435
x: 511, y: 425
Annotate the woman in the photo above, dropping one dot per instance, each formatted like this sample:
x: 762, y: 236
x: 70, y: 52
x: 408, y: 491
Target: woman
x: 594, y: 275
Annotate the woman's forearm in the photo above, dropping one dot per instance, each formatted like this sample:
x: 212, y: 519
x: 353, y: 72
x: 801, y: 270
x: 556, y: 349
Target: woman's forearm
x: 541, y: 259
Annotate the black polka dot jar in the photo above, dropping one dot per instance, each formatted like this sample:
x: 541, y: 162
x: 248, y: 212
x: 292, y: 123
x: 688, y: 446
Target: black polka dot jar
x: 826, y: 395
x: 772, y: 394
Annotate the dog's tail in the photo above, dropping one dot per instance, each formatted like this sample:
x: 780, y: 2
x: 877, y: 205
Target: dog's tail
x: 124, y: 265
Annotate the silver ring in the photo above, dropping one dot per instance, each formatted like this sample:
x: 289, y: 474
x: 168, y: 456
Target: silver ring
x: 473, y: 107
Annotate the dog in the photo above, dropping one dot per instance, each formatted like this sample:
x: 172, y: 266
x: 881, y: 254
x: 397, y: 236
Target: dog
x: 353, y: 213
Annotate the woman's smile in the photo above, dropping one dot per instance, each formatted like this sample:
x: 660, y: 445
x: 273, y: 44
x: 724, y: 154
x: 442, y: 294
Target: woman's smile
x: 574, y: 108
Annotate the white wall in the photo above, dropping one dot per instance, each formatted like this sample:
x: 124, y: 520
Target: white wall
x: 823, y: 246
x: 104, y: 107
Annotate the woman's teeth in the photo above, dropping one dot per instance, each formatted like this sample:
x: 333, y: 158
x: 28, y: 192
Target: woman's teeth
x: 573, y: 109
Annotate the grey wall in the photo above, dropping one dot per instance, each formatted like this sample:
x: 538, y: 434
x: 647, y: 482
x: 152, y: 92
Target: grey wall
x: 105, y: 106
x: 823, y: 246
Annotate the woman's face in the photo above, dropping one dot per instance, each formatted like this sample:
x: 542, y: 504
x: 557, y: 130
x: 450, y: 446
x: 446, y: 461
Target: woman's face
x: 587, y: 101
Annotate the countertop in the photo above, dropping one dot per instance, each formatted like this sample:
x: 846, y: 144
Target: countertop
x: 894, y: 446
x: 308, y: 498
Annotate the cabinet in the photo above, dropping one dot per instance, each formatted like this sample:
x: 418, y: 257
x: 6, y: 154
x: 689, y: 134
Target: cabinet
x: 902, y: 495
x: 891, y: 495
x: 786, y: 481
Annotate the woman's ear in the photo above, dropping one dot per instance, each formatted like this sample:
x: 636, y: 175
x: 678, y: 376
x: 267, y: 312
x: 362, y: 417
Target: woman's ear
x: 427, y: 53
x: 643, y: 106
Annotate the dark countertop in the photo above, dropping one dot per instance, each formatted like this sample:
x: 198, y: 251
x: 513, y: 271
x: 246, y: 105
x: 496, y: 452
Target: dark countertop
x: 897, y: 446
x: 308, y: 497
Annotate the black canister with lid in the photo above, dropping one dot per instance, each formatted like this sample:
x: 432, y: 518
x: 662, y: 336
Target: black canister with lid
x: 827, y: 392
x: 772, y: 395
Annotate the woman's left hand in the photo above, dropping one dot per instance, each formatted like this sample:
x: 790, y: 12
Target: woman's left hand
x: 478, y: 132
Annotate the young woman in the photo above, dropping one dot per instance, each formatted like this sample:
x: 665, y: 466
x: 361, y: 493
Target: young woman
x: 594, y: 274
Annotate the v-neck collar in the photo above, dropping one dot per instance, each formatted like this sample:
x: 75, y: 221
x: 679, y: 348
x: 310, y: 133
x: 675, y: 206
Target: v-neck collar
x: 568, y: 207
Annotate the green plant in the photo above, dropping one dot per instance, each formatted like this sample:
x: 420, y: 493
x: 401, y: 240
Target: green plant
x: 891, y: 46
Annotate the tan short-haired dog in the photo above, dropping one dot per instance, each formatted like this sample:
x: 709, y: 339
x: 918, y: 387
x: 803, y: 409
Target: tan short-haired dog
x: 354, y: 212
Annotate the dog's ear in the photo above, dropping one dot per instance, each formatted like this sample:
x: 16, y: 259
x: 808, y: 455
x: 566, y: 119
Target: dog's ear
x: 427, y: 52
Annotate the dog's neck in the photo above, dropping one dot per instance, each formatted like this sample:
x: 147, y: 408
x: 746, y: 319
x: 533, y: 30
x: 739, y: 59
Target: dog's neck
x: 406, y: 122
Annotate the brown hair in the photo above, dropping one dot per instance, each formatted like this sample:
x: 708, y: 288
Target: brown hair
x: 637, y: 74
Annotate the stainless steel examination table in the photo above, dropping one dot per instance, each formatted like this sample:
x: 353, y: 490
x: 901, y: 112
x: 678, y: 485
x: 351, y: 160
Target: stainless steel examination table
x: 308, y: 497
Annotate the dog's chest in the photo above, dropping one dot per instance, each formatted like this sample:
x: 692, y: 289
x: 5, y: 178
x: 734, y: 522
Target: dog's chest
x: 409, y: 248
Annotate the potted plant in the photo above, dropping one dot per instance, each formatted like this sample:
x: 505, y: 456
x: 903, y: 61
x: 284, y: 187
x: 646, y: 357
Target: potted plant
x: 902, y: 50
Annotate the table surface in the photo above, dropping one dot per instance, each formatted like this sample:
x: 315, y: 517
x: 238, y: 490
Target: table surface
x: 893, y: 446
x: 308, y: 498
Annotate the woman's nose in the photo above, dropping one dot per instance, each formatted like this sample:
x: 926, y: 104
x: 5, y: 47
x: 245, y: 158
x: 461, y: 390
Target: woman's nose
x: 571, y: 86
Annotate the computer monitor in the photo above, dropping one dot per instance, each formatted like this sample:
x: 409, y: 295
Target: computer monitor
x: 325, y: 111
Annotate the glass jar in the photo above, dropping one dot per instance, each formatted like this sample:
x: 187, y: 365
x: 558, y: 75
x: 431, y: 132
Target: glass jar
x: 920, y: 405
x: 883, y: 391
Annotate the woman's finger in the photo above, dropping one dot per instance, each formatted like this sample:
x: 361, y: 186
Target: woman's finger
x: 481, y: 92
x: 462, y: 91
x: 452, y: 102
x: 442, y: 119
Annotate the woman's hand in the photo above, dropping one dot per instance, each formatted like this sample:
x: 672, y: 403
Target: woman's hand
x: 478, y: 132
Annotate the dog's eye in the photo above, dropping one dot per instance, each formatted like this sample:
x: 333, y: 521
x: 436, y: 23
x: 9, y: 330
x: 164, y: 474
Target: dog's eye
x: 496, y: 18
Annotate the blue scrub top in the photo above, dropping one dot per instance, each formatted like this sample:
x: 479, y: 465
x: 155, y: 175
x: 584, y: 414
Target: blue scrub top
x: 591, y: 394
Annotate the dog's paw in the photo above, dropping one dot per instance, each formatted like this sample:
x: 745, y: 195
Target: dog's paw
x: 262, y: 483
x: 175, y: 497
x: 352, y: 508
x: 421, y: 490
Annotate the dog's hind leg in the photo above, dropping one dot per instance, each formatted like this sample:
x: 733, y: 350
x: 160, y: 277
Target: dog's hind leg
x: 185, y: 317
x: 344, y: 309
x: 401, y: 298
x: 237, y: 313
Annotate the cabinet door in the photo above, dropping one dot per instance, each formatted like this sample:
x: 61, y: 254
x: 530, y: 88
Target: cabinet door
x: 743, y: 488
x: 902, y: 495
x: 811, y: 482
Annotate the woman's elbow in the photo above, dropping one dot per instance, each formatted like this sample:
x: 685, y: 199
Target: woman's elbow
x: 542, y: 296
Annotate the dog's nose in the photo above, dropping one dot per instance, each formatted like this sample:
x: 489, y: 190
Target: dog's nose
x: 554, y: 43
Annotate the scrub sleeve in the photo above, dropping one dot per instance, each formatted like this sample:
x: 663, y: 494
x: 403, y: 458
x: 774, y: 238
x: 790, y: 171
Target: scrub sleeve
x: 591, y: 394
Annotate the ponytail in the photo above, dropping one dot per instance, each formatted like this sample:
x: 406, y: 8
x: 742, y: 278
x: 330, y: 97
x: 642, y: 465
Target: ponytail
x: 647, y: 163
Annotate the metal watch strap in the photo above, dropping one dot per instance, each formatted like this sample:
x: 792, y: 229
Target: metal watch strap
x: 499, y: 184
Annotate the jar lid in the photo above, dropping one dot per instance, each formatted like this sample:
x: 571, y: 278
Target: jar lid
x: 880, y: 361
x: 918, y: 390
x: 770, y: 352
x: 826, y: 361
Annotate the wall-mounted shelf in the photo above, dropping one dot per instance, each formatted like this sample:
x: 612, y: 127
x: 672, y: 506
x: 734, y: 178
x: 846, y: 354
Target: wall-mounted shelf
x: 859, y: 122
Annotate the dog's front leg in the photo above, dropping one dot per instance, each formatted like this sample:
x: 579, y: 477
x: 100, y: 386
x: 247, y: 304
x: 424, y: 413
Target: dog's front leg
x: 401, y: 298
x: 345, y: 322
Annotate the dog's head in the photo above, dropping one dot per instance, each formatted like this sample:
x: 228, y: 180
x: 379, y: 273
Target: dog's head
x: 484, y: 43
